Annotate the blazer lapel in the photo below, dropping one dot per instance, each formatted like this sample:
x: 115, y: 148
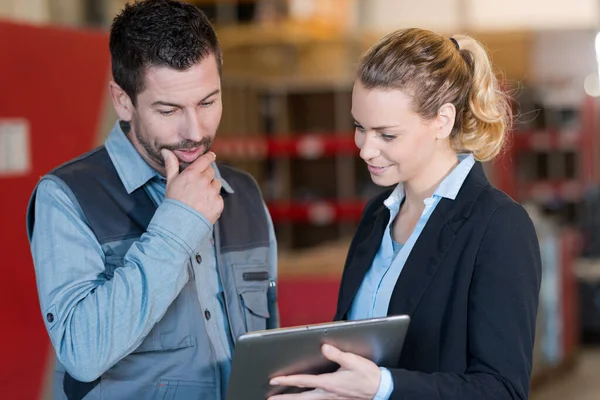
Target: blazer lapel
x: 422, y: 263
x: 359, y: 264
x: 433, y: 244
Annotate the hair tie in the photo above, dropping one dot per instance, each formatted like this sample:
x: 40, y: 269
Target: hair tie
x: 455, y: 43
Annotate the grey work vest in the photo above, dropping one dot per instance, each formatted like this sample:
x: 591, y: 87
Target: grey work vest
x: 175, y: 361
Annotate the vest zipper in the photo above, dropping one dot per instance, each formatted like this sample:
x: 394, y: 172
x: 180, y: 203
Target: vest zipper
x: 220, y: 266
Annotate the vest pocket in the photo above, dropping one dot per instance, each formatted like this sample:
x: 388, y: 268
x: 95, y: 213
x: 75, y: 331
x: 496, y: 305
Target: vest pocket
x: 252, y: 283
x: 256, y: 310
x: 175, y: 389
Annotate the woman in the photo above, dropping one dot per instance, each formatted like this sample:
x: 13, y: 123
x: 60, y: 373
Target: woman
x: 441, y: 245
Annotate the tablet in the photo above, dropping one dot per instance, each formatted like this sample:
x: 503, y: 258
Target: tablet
x: 263, y: 355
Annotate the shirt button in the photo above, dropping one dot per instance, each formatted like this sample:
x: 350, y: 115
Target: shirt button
x: 50, y: 317
x: 198, y: 258
x: 207, y: 314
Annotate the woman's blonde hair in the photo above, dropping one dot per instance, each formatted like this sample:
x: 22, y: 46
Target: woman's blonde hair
x: 435, y: 70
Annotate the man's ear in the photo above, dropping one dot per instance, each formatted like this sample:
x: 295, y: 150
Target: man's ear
x: 444, y: 121
x: 121, y: 101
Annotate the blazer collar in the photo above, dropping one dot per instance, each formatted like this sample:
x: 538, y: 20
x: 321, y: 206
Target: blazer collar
x: 426, y: 255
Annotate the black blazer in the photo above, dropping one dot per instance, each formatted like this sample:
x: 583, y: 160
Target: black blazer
x: 470, y: 285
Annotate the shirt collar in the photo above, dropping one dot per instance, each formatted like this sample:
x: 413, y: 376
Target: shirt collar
x: 448, y: 188
x: 451, y: 185
x: 132, y: 169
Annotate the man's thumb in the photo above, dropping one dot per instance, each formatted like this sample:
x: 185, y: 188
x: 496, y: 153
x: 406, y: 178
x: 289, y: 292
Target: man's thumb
x: 171, y: 164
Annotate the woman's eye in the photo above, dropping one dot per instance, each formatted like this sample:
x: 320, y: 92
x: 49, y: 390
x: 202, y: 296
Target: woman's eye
x: 359, y: 128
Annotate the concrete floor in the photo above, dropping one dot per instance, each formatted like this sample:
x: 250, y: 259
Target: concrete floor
x: 580, y: 383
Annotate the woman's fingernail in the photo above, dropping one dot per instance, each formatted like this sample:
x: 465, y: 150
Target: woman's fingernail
x: 326, y: 348
x: 274, y: 382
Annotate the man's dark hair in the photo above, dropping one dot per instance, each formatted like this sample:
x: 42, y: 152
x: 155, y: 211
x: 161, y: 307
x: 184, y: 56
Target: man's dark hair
x: 158, y: 33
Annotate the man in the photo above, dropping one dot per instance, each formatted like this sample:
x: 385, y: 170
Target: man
x: 150, y: 259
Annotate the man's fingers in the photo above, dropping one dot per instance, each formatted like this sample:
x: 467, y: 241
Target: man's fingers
x: 209, y: 173
x: 217, y: 185
x: 171, y: 164
x: 202, y: 163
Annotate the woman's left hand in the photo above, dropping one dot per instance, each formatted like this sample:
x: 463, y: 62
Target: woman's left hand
x: 357, y: 379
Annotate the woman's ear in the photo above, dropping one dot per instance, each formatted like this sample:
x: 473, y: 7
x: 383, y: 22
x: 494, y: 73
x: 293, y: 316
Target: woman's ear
x: 121, y: 101
x: 445, y: 120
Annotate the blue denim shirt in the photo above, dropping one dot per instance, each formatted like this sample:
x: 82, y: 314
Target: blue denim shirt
x: 373, y: 297
x: 69, y: 265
